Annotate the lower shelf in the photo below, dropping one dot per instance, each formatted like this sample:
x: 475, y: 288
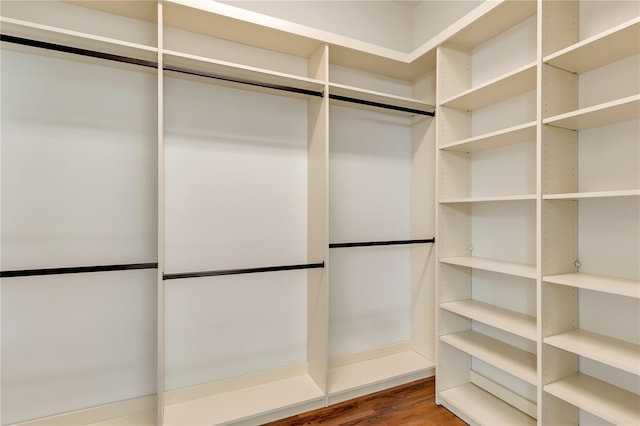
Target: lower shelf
x: 606, y: 401
x: 243, y: 404
x: 477, y: 406
x: 359, y: 378
x: 515, y: 361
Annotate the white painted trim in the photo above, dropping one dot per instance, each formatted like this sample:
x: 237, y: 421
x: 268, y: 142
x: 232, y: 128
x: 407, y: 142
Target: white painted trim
x: 126, y: 408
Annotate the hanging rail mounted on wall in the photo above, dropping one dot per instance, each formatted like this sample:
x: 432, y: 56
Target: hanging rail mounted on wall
x: 181, y: 275
x: 77, y: 51
x: 382, y: 243
x: 381, y: 105
x: 151, y: 64
x: 243, y: 81
x: 76, y: 270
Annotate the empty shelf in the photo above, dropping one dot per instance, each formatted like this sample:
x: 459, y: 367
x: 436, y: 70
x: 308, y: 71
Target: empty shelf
x: 614, y: 352
x: 75, y: 39
x: 177, y: 60
x: 515, y: 361
x: 619, y: 286
x: 500, y: 16
x: 609, y: 402
x: 480, y: 407
x: 503, y: 267
x: 504, y: 87
x: 495, y: 316
x: 610, y: 46
x: 244, y: 403
x: 489, y: 199
x: 617, y: 111
x: 353, y: 376
x: 596, y: 194
x: 509, y: 136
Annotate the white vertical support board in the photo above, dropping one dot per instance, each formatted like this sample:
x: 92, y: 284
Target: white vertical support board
x: 559, y: 25
x: 93, y: 182
x: 559, y: 160
x: 423, y: 256
x: 559, y: 91
x: 318, y: 224
x: 160, y: 325
x: 454, y: 68
x: 559, y: 236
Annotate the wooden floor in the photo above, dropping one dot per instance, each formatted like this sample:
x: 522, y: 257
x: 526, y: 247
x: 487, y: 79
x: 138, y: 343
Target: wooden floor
x: 412, y: 404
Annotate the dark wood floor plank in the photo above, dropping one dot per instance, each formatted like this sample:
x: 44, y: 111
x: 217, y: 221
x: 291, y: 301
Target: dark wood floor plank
x: 412, y: 404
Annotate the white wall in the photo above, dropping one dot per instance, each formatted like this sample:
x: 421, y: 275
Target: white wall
x: 432, y: 16
x: 389, y: 24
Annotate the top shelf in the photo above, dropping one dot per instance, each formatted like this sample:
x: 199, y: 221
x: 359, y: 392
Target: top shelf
x: 604, y: 48
x: 75, y: 39
x: 489, y: 20
x: 232, y: 74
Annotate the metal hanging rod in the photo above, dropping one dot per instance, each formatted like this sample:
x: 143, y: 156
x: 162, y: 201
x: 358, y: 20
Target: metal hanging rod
x: 383, y: 243
x: 76, y: 270
x: 243, y: 81
x: 381, y: 105
x: 151, y: 64
x: 77, y: 51
x: 241, y: 271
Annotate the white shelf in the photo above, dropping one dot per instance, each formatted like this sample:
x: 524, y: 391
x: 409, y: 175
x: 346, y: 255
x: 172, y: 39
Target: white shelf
x: 604, y: 349
x: 480, y: 407
x: 608, y: 402
x: 502, y: 16
x: 489, y: 199
x: 610, y: 46
x: 361, y: 374
x: 513, y: 135
x: 64, y: 37
x: 237, y: 71
x: 515, y: 361
x: 244, y: 403
x: 597, y: 194
x: 617, y: 111
x: 503, y: 267
x: 377, y: 97
x: 142, y: 10
x: 613, y: 285
x: 519, y: 81
x: 495, y: 316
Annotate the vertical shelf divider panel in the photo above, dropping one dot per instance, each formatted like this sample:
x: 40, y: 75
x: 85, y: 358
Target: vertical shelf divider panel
x: 318, y: 222
x: 161, y: 302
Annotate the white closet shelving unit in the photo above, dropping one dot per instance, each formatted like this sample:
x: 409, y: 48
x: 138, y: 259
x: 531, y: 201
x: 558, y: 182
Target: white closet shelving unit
x: 583, y: 365
x: 203, y: 53
x: 590, y: 199
x: 486, y: 132
x: 529, y: 175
